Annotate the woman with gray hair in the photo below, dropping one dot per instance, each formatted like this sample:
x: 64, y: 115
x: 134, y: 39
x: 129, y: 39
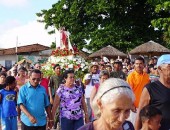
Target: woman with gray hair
x: 112, y: 105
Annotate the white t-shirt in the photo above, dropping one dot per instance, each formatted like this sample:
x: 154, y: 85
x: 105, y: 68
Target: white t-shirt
x: 94, y: 79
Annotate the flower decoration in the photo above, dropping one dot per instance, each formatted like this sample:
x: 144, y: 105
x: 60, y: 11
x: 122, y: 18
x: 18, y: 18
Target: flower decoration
x: 64, y: 52
x: 67, y: 60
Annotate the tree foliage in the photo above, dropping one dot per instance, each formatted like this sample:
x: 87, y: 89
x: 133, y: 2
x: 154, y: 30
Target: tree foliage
x: 123, y: 24
x: 53, y: 45
x: 163, y: 21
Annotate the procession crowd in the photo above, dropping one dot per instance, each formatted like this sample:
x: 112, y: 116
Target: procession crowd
x: 119, y: 95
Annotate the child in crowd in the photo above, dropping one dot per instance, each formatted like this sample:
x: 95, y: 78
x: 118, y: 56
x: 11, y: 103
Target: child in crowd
x: 8, y: 105
x: 151, y: 118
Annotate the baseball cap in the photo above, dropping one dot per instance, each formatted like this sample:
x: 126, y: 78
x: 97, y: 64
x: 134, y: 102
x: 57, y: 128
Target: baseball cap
x: 164, y: 59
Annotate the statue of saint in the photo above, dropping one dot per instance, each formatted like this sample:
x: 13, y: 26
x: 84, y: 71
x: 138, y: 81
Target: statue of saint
x: 64, y: 39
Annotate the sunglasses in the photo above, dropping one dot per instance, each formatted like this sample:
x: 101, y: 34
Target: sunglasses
x: 37, y: 79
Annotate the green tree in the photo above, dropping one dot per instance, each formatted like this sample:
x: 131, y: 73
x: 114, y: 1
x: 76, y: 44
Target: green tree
x: 123, y: 24
x: 163, y: 20
x: 53, y: 45
x: 20, y: 57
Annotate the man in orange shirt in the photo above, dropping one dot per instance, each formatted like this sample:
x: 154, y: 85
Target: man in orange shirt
x: 137, y: 80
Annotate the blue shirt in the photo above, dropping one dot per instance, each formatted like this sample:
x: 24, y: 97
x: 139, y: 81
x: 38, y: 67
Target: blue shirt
x: 8, y: 103
x: 35, y: 101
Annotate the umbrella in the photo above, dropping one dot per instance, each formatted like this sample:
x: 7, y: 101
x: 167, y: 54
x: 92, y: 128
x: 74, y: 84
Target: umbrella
x: 109, y: 52
x: 24, y: 61
x: 83, y: 54
x: 150, y: 48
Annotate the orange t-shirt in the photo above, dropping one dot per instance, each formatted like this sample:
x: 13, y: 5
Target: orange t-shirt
x: 137, y: 82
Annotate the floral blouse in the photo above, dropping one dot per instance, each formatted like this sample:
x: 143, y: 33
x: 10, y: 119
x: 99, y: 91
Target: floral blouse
x: 70, y: 102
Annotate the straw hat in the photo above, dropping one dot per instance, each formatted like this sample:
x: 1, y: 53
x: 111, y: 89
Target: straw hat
x: 93, y: 64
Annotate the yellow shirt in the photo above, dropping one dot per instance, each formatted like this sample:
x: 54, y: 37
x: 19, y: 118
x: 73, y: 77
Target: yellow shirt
x: 137, y: 82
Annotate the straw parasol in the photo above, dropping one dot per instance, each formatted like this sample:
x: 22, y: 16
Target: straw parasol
x: 150, y: 48
x: 24, y: 61
x: 83, y: 54
x: 109, y: 52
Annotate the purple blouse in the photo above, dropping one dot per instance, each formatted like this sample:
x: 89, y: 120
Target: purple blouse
x: 70, y: 102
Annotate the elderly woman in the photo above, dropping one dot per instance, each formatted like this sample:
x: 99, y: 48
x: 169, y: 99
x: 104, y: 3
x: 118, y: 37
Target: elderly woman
x: 70, y: 99
x: 112, y: 105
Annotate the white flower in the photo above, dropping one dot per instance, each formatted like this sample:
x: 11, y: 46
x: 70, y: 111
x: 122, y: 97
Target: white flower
x: 62, y: 60
x: 86, y: 67
x: 86, y: 63
x: 80, y: 59
x: 82, y: 65
x: 77, y: 62
x: 70, y: 66
x: 62, y: 66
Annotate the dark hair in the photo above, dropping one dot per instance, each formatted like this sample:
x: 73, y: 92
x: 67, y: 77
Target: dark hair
x: 104, y: 72
x: 4, y: 68
x: 151, y: 66
x: 102, y: 65
x: 124, y: 68
x: 117, y: 62
x: 128, y: 60
x: 56, y: 65
x: 15, y: 71
x: 37, y: 71
x: 9, y: 80
x: 65, y: 75
x: 140, y: 58
x: 3, y: 73
x: 148, y: 112
x: 22, y: 68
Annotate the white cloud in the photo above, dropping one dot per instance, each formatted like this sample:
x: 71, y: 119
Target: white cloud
x: 9, y: 25
x: 31, y: 33
x: 13, y: 3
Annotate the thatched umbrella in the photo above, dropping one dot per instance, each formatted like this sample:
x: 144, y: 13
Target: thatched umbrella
x: 83, y: 54
x: 150, y: 48
x: 109, y: 52
x: 24, y: 61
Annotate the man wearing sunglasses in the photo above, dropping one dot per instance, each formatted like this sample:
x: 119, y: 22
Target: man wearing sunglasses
x: 33, y: 101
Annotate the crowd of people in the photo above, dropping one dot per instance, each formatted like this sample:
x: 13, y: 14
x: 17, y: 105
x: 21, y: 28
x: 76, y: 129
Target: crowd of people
x: 119, y: 95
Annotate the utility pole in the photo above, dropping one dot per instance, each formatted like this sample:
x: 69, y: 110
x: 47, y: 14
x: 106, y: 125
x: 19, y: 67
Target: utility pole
x: 16, y: 49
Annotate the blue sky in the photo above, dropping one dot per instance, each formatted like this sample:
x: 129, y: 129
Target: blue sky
x: 18, y: 17
x: 23, y: 12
